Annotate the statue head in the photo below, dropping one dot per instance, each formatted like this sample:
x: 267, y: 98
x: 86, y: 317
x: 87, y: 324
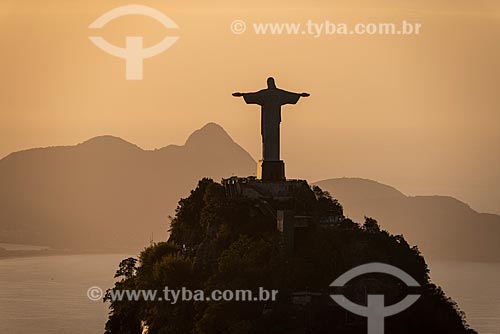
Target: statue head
x: 270, y: 83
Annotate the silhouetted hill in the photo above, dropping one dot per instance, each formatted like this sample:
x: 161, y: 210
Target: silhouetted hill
x: 358, y: 190
x: 442, y: 227
x: 221, y: 242
x: 106, y: 192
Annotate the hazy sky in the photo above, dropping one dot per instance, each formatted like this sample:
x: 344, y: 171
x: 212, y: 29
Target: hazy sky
x: 421, y: 113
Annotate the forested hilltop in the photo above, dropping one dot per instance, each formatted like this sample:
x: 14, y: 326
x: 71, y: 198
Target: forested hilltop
x: 218, y: 242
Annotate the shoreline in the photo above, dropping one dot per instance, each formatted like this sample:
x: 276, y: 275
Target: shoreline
x: 18, y: 254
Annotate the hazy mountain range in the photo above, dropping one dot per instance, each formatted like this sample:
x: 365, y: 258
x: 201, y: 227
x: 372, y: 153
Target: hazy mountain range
x: 107, y: 193
x: 441, y: 226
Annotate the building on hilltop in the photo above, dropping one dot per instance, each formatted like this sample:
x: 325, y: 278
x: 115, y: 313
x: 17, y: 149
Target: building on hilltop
x: 291, y: 203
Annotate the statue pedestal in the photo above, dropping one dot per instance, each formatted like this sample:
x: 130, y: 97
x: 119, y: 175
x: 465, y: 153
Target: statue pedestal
x: 271, y: 170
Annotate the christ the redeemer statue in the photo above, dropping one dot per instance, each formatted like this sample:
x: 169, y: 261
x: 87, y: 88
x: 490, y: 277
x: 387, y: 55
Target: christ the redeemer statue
x: 271, y: 99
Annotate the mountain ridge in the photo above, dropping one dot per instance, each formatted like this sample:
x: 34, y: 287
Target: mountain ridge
x: 441, y: 226
x: 106, y: 191
x: 108, y: 139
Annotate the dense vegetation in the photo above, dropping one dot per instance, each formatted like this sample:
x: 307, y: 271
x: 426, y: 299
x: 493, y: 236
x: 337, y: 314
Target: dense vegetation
x: 221, y: 243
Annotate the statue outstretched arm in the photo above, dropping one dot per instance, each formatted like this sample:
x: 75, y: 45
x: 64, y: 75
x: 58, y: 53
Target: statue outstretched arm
x: 291, y: 98
x: 250, y: 98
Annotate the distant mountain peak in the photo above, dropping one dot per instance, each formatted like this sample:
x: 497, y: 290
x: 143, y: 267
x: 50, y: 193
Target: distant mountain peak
x: 107, y: 141
x: 360, y: 188
x: 210, y: 132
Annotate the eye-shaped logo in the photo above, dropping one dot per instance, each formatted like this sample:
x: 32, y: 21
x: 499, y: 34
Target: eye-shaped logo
x: 134, y: 53
x: 375, y: 311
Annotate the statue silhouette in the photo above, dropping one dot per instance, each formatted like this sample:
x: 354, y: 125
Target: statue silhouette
x: 271, y: 99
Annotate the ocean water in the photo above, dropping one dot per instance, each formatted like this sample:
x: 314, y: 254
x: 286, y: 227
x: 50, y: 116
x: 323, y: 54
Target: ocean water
x: 48, y: 295
x: 19, y: 247
x: 475, y: 286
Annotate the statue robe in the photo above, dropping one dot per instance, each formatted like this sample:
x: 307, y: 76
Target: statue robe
x: 271, y: 100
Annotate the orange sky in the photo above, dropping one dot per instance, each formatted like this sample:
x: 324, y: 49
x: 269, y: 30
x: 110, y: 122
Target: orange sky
x: 418, y: 112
